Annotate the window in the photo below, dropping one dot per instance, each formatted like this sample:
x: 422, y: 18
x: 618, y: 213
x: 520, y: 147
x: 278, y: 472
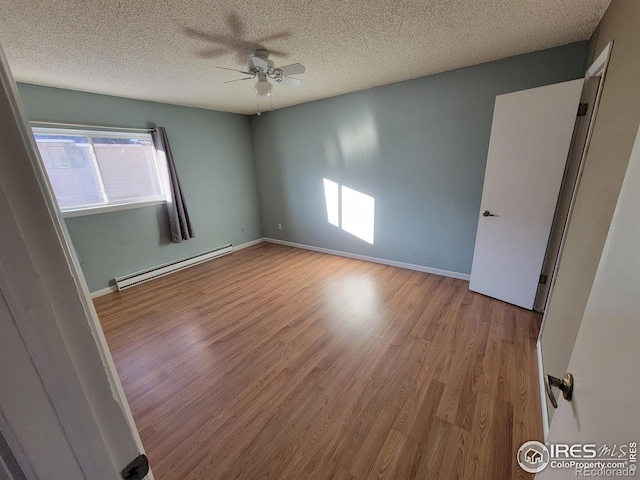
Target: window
x: 91, y: 171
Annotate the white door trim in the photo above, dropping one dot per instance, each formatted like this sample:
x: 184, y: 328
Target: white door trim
x: 599, y: 65
x: 543, y: 393
x: 604, y: 358
x: 598, y: 68
x: 51, y: 305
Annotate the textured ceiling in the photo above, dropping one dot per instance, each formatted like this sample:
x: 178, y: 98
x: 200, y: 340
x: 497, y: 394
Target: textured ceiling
x: 166, y: 51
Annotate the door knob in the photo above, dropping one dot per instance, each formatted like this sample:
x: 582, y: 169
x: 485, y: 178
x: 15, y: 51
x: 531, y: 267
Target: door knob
x: 565, y: 384
x: 487, y: 213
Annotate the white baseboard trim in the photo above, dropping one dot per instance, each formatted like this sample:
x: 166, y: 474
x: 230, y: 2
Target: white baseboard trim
x: 543, y: 393
x: 248, y: 244
x: 392, y: 263
x: 104, y: 291
x: 108, y: 290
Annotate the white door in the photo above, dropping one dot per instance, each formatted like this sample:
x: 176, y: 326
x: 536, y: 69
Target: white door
x: 62, y: 409
x: 530, y: 139
x: 605, y: 358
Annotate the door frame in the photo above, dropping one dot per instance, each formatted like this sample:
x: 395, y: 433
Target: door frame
x: 604, y: 355
x: 49, y: 300
x: 597, y: 69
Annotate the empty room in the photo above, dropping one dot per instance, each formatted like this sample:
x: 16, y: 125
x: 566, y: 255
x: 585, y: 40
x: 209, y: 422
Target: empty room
x: 331, y: 240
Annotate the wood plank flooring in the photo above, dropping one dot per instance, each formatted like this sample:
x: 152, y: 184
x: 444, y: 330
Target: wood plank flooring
x: 281, y: 363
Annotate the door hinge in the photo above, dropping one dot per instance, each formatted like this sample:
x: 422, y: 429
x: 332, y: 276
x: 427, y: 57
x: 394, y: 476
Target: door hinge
x: 137, y: 469
x: 543, y: 280
x: 582, y: 109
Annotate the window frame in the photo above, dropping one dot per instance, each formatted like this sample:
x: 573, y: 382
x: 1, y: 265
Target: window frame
x: 161, y: 172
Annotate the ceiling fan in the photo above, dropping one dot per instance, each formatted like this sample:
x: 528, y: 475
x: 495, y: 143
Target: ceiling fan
x: 264, y: 69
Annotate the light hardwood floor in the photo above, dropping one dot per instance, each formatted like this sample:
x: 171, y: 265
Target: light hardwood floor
x: 281, y: 363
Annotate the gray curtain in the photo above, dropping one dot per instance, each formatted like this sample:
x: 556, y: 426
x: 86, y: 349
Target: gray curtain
x: 179, y: 222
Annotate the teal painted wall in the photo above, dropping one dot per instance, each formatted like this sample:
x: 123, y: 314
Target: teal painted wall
x: 214, y: 160
x: 418, y: 147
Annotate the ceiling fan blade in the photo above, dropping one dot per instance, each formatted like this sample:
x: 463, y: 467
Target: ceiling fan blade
x: 259, y: 63
x: 278, y: 53
x: 293, y: 69
x: 213, y: 53
x: 275, y: 36
x: 239, y: 79
x: 288, y: 81
x: 237, y: 27
x: 209, y: 37
x: 234, y: 70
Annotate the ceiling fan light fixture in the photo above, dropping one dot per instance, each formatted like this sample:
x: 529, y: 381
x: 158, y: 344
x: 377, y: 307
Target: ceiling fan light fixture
x: 260, y: 66
x: 262, y: 88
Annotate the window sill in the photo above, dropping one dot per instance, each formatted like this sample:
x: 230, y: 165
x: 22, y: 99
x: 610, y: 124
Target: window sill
x: 110, y: 208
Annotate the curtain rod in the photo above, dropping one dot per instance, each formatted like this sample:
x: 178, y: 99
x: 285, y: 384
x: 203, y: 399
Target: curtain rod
x: 94, y: 127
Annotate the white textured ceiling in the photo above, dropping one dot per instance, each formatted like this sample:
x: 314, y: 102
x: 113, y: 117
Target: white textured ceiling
x: 156, y: 49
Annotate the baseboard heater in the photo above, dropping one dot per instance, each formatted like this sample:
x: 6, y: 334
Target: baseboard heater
x: 137, y: 278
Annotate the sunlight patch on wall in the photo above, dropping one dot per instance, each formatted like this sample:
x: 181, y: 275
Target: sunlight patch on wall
x: 358, y: 214
x: 331, y: 196
x: 351, y: 210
